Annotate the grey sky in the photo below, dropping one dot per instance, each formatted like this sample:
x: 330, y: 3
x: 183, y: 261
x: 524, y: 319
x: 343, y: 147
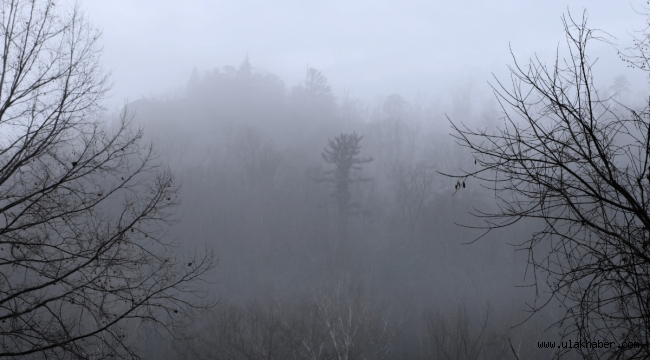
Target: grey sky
x: 368, y: 47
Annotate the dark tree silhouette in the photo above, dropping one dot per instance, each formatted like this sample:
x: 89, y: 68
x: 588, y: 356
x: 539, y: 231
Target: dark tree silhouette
x: 80, y: 273
x: 567, y: 158
x: 342, y: 153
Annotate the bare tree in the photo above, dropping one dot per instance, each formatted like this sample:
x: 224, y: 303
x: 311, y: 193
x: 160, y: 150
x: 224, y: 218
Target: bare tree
x: 258, y: 157
x: 249, y: 332
x: 339, y: 320
x: 84, y: 260
x: 459, y: 339
x: 309, y: 338
x: 413, y: 186
x: 356, y: 325
x: 564, y: 157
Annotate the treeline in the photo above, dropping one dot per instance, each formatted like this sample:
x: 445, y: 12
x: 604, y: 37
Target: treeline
x: 344, y: 319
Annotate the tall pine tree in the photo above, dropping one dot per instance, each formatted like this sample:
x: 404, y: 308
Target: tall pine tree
x: 342, y: 153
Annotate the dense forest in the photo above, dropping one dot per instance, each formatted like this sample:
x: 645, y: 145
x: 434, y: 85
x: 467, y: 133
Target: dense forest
x: 251, y: 156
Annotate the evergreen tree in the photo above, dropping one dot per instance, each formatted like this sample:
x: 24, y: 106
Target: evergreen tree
x: 342, y: 153
x: 313, y: 99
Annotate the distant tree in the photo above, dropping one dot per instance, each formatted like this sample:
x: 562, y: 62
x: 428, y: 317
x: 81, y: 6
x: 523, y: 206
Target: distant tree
x: 355, y: 323
x: 394, y: 107
x: 84, y: 260
x: 413, y: 186
x: 457, y: 338
x: 193, y: 82
x: 342, y: 153
x: 253, y: 331
x: 258, y: 157
x: 342, y: 319
x: 315, y: 86
x: 563, y: 157
x: 228, y: 96
x: 620, y: 87
x: 352, y: 110
x: 397, y: 130
x: 313, y: 98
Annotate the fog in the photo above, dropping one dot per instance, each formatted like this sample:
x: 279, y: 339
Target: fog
x: 367, y: 48
x: 248, y: 151
x: 241, y: 99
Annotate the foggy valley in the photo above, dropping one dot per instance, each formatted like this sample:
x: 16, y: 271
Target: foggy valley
x: 241, y: 213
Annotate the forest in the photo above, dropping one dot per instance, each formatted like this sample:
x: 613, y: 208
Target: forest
x: 241, y: 217
x: 258, y: 185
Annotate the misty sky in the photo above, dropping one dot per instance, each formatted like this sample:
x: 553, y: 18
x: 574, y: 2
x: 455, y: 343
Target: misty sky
x: 367, y: 47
